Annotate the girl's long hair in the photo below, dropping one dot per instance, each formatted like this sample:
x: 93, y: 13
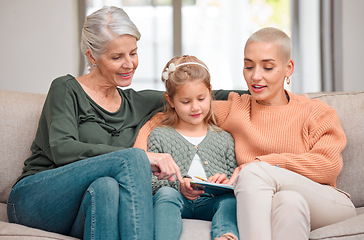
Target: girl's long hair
x: 179, y: 77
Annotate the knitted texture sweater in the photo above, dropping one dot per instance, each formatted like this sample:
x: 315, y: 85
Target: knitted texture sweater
x: 216, y: 152
x: 305, y: 136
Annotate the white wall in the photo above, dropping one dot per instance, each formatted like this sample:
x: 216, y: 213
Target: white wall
x: 38, y: 42
x: 353, y: 44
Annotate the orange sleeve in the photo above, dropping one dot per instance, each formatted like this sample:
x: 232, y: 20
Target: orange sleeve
x: 222, y: 108
x: 142, y: 138
x: 322, y: 162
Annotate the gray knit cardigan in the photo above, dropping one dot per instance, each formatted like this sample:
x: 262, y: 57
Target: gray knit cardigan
x: 216, y: 151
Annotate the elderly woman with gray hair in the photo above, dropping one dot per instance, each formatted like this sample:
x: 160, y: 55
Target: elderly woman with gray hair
x: 83, y: 178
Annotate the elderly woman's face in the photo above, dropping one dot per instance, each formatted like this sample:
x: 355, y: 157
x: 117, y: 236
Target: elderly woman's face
x: 118, y: 64
x: 265, y: 71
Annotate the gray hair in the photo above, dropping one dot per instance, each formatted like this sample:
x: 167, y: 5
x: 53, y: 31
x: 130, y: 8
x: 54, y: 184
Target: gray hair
x: 102, y: 26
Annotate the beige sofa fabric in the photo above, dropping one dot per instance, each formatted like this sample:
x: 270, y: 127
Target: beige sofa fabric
x: 14, y: 231
x: 348, y: 229
x: 19, y: 115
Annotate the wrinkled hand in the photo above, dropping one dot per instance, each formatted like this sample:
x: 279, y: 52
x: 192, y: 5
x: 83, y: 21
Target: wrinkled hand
x: 164, y: 167
x: 219, y: 178
x: 187, y: 191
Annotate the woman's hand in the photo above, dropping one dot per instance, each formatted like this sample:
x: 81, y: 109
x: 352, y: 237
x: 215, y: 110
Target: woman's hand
x: 164, y: 167
x: 238, y: 169
x: 235, y: 174
x: 187, y: 191
x: 219, y: 178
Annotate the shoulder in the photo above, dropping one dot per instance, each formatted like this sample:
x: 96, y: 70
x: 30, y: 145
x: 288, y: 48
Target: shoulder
x: 162, y: 129
x: 219, y: 136
x: 162, y: 132
x: 315, y: 106
x: 63, y: 88
x: 164, y: 138
x: 316, y: 112
x: 63, y: 81
x: 150, y: 95
x: 216, y: 131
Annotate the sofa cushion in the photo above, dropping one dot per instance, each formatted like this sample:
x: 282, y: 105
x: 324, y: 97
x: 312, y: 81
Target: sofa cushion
x: 350, y: 108
x: 196, y: 229
x: 350, y: 229
x: 19, y: 116
x: 3, y: 212
x: 13, y: 231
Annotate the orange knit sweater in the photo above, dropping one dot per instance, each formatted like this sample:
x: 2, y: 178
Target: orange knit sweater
x: 304, y: 136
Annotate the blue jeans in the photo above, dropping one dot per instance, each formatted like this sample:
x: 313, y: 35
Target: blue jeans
x: 103, y: 197
x: 170, y: 207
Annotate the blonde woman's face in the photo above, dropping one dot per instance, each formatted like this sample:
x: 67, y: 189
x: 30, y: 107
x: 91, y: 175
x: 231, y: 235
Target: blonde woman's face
x: 118, y: 64
x: 265, y: 71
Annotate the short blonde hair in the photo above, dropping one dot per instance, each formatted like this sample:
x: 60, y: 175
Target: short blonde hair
x: 273, y: 35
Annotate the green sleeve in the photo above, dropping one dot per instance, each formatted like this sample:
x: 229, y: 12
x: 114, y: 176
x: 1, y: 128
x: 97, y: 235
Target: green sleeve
x: 60, y: 128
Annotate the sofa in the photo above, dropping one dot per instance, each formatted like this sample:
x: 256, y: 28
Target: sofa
x: 20, y: 111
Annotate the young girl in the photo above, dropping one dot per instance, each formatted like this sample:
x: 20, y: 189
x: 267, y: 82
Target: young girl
x: 188, y: 133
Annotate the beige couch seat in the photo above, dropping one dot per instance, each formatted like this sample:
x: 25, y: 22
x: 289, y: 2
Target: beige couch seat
x: 19, y: 115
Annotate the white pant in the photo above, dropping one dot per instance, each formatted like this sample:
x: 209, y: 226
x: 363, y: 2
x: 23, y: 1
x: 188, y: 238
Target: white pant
x: 275, y: 203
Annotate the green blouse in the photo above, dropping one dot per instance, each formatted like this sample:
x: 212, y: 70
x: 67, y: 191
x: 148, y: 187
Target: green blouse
x: 73, y: 127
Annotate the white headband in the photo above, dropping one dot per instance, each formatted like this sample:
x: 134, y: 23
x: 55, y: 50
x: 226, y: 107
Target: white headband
x: 172, y: 67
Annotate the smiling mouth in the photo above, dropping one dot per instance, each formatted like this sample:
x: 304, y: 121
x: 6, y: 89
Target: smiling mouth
x: 196, y: 115
x: 258, y: 86
x: 125, y: 75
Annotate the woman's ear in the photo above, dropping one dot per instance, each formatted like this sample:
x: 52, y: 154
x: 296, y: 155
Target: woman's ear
x: 169, y: 100
x: 289, y: 68
x: 89, y: 55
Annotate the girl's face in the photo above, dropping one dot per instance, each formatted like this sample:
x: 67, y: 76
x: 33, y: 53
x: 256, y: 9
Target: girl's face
x: 265, y: 71
x: 192, y: 103
x: 118, y: 64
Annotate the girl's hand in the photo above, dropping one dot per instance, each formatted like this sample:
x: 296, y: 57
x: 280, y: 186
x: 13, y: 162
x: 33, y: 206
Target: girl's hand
x: 188, y: 192
x: 164, y: 166
x: 219, y: 178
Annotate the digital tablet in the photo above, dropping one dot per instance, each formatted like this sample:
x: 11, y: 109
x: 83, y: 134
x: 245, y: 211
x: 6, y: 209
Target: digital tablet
x: 212, y: 188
